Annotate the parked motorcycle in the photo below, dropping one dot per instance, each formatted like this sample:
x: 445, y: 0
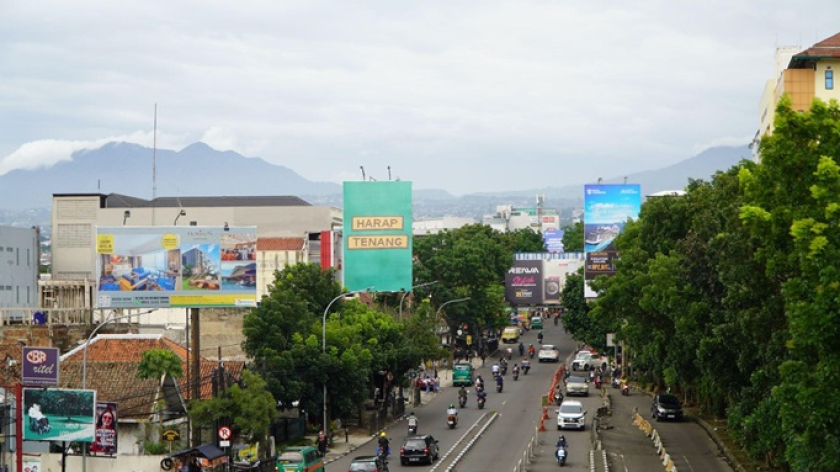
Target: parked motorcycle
x: 561, y: 456
x: 625, y: 390
x: 616, y: 383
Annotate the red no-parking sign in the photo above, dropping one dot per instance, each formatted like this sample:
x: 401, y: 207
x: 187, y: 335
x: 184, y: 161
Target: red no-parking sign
x: 224, y: 433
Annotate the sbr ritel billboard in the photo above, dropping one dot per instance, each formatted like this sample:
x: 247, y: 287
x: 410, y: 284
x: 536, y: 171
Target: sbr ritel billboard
x: 377, y: 236
x: 606, y: 209
x: 179, y: 266
x: 40, y: 366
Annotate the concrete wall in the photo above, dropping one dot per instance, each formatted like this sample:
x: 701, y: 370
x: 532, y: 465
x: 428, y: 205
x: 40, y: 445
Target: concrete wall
x: 124, y: 463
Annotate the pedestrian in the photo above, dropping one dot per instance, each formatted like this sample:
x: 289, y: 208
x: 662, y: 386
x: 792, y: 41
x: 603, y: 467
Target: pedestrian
x: 322, y: 443
x: 428, y: 383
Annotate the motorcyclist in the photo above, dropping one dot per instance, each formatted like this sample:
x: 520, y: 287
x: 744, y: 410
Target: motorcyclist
x: 452, y: 412
x: 479, y: 382
x: 480, y: 394
x: 500, y: 381
x: 562, y: 443
x: 462, y: 396
x: 531, y: 350
x: 521, y: 349
x: 413, y: 421
x: 495, y: 370
x: 526, y: 364
x: 540, y: 337
x: 384, y: 444
x: 515, y: 369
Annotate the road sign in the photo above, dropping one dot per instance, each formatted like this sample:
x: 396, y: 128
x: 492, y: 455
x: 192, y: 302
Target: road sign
x: 170, y: 435
x: 225, y: 433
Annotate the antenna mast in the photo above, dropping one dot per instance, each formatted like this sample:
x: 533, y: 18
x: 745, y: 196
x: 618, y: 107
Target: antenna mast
x: 154, y: 170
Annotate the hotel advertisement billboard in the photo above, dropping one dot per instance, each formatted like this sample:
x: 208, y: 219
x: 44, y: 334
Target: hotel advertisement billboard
x: 607, y: 208
x: 179, y: 266
x: 377, y: 236
x: 53, y: 414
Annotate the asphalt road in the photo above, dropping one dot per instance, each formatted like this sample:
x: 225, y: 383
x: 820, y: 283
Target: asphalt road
x: 501, y: 446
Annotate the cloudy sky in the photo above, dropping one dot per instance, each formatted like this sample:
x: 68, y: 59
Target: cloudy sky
x: 462, y: 95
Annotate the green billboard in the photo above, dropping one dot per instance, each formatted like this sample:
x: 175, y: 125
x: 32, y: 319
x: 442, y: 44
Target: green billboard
x: 377, y: 236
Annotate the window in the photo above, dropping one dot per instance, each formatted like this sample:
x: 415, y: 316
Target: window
x: 829, y: 79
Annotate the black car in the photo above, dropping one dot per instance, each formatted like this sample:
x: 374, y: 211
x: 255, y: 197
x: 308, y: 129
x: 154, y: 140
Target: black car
x: 419, y: 448
x: 365, y: 464
x: 666, y: 406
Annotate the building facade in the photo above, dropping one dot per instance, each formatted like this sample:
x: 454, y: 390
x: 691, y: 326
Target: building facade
x: 19, y: 256
x: 76, y: 216
x: 802, y: 75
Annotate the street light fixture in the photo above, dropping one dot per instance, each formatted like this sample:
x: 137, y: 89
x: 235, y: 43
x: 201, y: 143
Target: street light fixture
x: 84, y: 362
x: 412, y: 289
x: 437, y: 315
x: 180, y: 214
x: 324, y: 342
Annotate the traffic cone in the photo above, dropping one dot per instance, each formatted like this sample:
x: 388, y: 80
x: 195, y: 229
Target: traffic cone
x: 545, y: 413
x: 542, y: 424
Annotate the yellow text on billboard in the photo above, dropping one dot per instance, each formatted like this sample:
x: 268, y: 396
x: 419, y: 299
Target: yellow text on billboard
x: 384, y: 241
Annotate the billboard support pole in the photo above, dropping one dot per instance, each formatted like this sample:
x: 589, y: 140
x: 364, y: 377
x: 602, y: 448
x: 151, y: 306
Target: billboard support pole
x: 63, y: 456
x: 19, y: 427
x: 195, y: 367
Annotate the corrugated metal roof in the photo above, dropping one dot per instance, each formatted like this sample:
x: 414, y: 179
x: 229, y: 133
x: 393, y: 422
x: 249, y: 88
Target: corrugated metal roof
x: 116, y: 200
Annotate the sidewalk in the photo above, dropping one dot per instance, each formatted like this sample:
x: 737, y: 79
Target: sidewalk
x: 360, y: 444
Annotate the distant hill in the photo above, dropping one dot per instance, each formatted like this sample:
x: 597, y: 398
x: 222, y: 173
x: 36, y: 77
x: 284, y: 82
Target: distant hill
x: 199, y: 170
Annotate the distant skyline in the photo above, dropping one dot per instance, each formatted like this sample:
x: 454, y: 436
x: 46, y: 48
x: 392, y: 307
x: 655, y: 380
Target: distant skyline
x: 463, y: 96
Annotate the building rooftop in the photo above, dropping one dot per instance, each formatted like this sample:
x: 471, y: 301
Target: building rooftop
x: 116, y: 200
x: 826, y: 49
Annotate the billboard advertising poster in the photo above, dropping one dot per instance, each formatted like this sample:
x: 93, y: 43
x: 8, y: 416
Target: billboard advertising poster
x: 40, y: 366
x: 553, y: 240
x: 377, y: 236
x: 179, y: 266
x: 105, y: 434
x: 524, y: 283
x: 52, y: 414
x: 606, y: 209
x: 32, y: 464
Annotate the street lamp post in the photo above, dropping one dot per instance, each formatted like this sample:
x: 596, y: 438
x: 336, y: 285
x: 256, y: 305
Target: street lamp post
x: 412, y: 289
x: 437, y: 315
x: 84, y: 363
x: 324, y: 342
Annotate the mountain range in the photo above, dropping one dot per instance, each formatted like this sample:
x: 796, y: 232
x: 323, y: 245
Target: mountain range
x: 199, y: 170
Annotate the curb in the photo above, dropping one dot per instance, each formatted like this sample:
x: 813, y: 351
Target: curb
x: 713, y: 434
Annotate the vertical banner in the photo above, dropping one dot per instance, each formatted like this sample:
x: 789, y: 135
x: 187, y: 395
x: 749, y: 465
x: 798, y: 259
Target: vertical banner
x: 606, y: 209
x: 553, y: 240
x: 377, y: 236
x: 524, y: 283
x: 105, y: 436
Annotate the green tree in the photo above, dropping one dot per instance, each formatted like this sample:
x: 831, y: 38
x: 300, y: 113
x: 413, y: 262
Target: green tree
x: 573, y: 237
x: 250, y: 406
x: 155, y: 363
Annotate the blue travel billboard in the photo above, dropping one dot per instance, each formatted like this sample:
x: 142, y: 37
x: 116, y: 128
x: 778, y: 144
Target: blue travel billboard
x: 178, y: 266
x: 606, y: 209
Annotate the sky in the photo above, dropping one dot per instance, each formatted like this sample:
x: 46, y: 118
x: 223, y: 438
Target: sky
x: 466, y: 96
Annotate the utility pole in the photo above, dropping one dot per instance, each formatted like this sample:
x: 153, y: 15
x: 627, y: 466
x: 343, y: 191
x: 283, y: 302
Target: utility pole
x: 195, y: 368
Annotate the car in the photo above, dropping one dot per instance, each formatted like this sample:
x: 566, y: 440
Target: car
x: 419, y: 448
x: 510, y: 335
x: 590, y: 360
x: 571, y: 415
x: 364, y: 464
x: 577, y: 386
x: 666, y: 406
x: 549, y: 353
x: 537, y: 322
x: 300, y: 459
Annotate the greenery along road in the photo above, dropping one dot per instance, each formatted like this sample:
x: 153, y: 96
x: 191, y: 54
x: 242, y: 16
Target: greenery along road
x: 730, y: 295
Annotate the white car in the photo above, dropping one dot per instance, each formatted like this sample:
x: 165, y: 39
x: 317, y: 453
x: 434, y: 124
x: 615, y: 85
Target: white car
x: 577, y: 386
x: 548, y: 353
x: 590, y: 360
x: 571, y: 415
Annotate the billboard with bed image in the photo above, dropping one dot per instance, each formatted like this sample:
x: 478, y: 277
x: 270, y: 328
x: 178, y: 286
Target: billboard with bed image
x: 163, y: 267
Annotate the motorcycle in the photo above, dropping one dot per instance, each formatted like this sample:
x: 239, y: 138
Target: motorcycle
x: 558, y: 398
x: 510, y: 353
x: 499, y: 386
x: 481, y: 401
x: 625, y: 390
x: 412, y: 429
x: 451, y: 420
x: 561, y: 456
x: 597, y: 382
x: 462, y: 402
x: 531, y: 352
x: 526, y: 368
x: 515, y: 374
x: 382, y: 459
x: 504, y: 369
x: 556, y: 320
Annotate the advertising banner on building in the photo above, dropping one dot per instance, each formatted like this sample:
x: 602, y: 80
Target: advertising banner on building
x: 606, y: 209
x: 377, y: 236
x: 553, y: 240
x: 539, y: 278
x: 179, y: 266
x: 105, y: 434
x: 40, y: 366
x: 52, y: 414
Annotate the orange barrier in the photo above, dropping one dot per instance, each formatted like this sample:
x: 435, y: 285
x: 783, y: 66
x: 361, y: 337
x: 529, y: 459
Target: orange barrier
x: 545, y: 413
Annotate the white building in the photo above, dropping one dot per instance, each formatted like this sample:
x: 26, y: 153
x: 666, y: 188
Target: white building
x: 19, y: 256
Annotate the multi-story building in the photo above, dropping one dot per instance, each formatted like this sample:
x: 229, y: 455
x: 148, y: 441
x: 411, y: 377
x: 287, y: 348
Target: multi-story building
x: 19, y: 256
x: 803, y: 75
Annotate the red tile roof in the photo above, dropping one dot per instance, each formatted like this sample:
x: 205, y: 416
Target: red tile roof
x: 826, y: 48
x: 279, y: 244
x: 112, y: 362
